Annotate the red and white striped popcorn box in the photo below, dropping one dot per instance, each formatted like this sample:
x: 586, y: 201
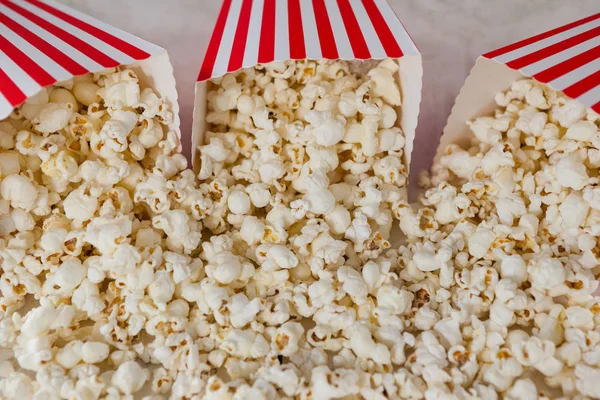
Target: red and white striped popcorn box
x: 251, y: 32
x: 44, y: 42
x: 566, y: 58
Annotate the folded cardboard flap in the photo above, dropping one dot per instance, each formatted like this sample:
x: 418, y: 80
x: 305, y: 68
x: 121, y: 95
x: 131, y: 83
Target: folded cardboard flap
x: 476, y: 97
x: 411, y: 84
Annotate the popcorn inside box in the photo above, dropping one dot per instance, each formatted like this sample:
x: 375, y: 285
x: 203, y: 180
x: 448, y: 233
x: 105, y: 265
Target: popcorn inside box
x: 315, y: 122
x: 271, y: 270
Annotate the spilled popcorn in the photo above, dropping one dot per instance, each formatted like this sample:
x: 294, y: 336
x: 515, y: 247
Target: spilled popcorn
x: 505, y: 246
x: 269, y: 273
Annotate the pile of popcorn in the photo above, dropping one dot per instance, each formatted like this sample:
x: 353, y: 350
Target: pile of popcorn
x: 505, y: 246
x: 270, y: 273
x: 123, y: 272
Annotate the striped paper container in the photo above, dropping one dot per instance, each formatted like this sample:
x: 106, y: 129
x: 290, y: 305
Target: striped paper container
x: 44, y: 42
x: 566, y: 59
x: 249, y: 32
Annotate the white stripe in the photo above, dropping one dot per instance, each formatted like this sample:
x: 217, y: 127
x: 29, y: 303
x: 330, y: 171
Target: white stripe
x: 253, y: 40
x: 342, y: 41
x: 533, y: 47
x: 18, y: 76
x: 45, y: 62
x: 590, y: 97
x: 5, y: 107
x: 93, y: 41
x: 311, y: 35
x: 366, y: 26
x: 576, y: 75
x: 557, y: 58
x: 222, y: 59
x: 64, y: 47
x: 125, y: 36
x: 406, y: 44
x: 282, y: 33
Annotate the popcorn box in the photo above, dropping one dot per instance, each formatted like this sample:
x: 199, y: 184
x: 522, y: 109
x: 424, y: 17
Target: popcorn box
x: 566, y: 58
x: 249, y: 32
x: 44, y: 42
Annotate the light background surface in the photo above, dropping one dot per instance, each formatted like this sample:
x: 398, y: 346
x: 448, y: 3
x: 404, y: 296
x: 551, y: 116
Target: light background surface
x: 451, y: 34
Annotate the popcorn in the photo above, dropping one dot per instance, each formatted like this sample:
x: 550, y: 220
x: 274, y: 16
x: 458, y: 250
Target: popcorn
x: 129, y: 377
x: 65, y: 278
x: 162, y: 288
x: 82, y: 203
x: 34, y: 353
x: 339, y: 220
x: 546, y: 273
x: 86, y: 93
x: 53, y: 117
x: 582, y: 131
x: 587, y: 380
x: 480, y: 242
x: 63, y: 215
x: 19, y: 191
x: 259, y: 194
x: 573, y: 210
x: 287, y: 338
x: 274, y: 263
x: 571, y: 174
x: 120, y: 90
x: 9, y: 163
x: 238, y: 202
x: 530, y: 203
x: 94, y: 352
x: 70, y: 355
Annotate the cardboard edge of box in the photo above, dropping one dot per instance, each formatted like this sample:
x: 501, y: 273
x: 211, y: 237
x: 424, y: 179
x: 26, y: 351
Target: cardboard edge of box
x: 411, y: 85
x: 476, y: 98
x: 410, y: 77
x: 198, y: 122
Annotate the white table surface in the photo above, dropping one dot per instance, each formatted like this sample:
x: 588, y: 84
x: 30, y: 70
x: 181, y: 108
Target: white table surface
x: 451, y: 34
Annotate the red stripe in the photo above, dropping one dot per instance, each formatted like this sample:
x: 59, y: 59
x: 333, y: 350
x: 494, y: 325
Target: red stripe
x: 296, y: 32
x: 568, y: 65
x: 52, y: 52
x: 326, y: 38
x: 357, y: 41
x: 266, y: 49
x: 587, y: 83
x: 13, y: 94
x: 65, y: 36
x: 596, y: 107
x: 553, y: 49
x: 215, y: 41
x: 386, y: 37
x: 25, y: 63
x: 241, y: 34
x: 106, y: 37
x: 541, y: 36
